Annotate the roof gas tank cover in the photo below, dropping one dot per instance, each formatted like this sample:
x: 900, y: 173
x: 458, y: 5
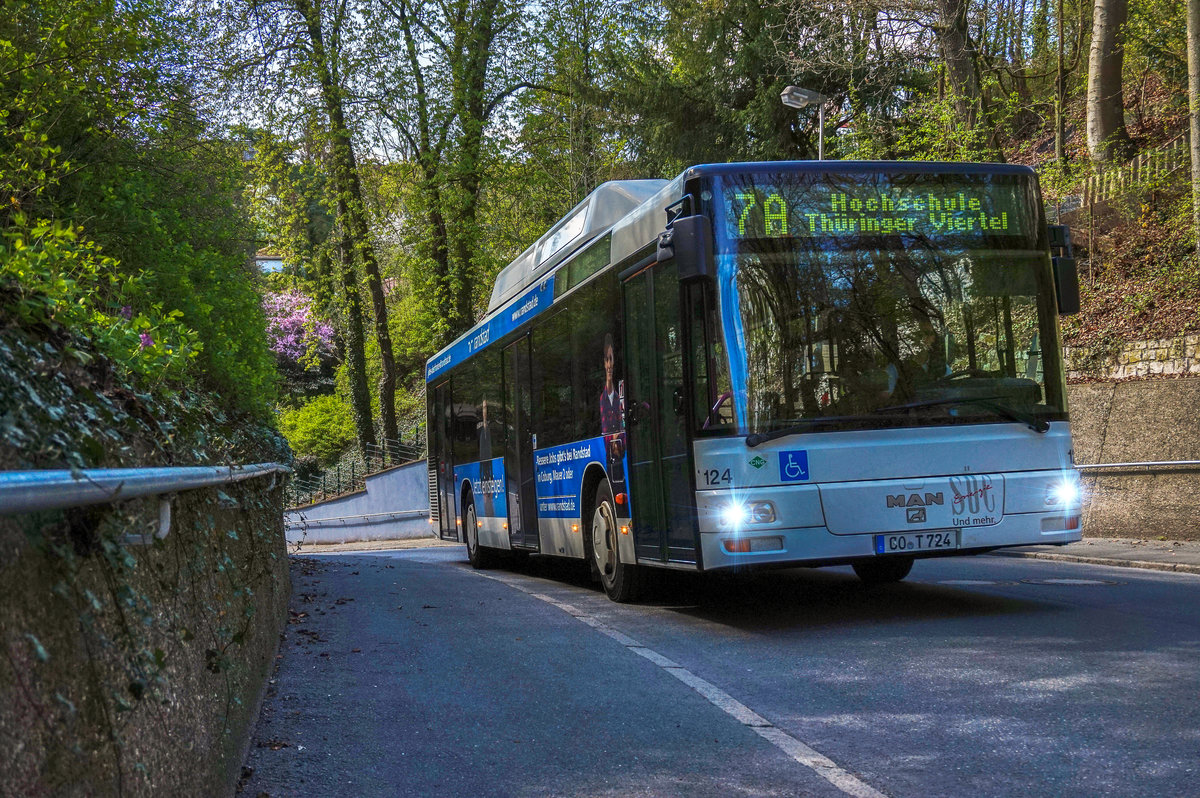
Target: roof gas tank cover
x: 592, y: 217
x: 567, y: 231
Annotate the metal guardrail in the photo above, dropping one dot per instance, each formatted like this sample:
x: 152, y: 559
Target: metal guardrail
x: 1149, y: 465
x: 33, y: 491
x: 344, y: 518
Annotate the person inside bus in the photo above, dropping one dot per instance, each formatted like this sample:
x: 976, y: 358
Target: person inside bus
x: 926, y: 364
x: 612, y: 417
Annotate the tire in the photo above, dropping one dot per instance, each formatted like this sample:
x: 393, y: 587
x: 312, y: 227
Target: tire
x: 884, y: 570
x: 621, y: 581
x: 480, y: 557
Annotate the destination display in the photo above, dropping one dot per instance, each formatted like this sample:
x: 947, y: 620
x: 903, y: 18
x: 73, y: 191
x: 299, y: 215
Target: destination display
x: 936, y: 207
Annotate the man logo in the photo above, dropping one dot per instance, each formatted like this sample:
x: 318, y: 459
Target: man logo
x: 916, y: 515
x: 915, y: 500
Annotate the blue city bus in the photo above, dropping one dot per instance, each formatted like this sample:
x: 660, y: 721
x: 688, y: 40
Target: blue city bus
x: 767, y: 365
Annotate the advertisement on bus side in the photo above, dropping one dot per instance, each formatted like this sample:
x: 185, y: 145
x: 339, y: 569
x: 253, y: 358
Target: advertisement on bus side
x: 559, y: 474
x: 487, y: 486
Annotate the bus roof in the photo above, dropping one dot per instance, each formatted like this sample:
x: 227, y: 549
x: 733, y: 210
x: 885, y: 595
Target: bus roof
x: 597, y: 212
x: 858, y: 167
x: 634, y: 210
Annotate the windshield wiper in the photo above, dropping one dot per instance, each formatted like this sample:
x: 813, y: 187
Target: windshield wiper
x: 800, y: 425
x: 1036, y: 424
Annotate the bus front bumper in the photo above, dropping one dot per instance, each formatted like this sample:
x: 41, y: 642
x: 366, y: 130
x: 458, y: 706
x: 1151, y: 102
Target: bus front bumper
x: 811, y: 546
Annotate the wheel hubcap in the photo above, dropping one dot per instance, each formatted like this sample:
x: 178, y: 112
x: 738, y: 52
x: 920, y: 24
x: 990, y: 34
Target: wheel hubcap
x: 602, y: 529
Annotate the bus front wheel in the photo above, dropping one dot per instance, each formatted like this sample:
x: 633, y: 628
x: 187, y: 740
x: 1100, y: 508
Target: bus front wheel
x: 620, y: 580
x: 479, y: 556
x: 884, y: 570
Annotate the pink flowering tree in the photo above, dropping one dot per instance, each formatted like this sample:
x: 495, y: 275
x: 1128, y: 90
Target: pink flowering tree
x: 294, y: 330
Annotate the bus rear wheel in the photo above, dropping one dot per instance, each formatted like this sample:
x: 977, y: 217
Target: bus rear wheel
x: 479, y: 556
x: 884, y: 570
x: 621, y: 581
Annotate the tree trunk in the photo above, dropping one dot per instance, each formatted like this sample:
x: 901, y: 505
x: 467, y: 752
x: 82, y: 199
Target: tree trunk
x: 1107, y: 139
x: 353, y: 211
x: 1193, y: 39
x: 356, y: 359
x: 471, y: 106
x: 428, y: 158
x: 356, y: 215
x: 1060, y: 96
x: 960, y: 59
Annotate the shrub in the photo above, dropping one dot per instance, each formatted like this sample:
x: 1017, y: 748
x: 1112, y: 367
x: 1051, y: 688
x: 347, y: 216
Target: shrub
x: 51, y: 276
x: 322, y: 428
x: 293, y: 329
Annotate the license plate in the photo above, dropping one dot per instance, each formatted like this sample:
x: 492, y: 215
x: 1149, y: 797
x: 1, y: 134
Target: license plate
x: 916, y: 541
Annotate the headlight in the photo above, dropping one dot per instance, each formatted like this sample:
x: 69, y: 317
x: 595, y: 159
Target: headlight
x: 762, y: 513
x: 738, y: 514
x: 735, y: 515
x: 1064, y: 493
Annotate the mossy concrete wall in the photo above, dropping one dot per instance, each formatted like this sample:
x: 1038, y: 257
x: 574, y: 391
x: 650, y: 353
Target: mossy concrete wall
x: 135, y: 670
x: 394, y: 505
x: 1139, y: 421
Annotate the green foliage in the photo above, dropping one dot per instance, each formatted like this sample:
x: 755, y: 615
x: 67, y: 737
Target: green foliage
x: 322, y: 427
x: 102, y: 139
x: 1157, y: 41
x: 674, y: 113
x: 51, y: 276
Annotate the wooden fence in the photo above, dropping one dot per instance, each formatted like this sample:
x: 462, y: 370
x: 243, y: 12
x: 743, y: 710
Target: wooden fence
x: 1147, y: 167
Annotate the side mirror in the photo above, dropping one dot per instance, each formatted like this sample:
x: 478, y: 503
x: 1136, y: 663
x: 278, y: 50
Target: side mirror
x: 1060, y: 238
x: 1066, y: 285
x: 689, y: 242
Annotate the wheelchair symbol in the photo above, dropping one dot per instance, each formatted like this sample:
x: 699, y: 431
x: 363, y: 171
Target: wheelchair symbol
x: 793, y: 466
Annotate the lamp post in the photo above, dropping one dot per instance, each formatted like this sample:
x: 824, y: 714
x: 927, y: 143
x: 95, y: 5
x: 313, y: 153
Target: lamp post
x: 796, y: 97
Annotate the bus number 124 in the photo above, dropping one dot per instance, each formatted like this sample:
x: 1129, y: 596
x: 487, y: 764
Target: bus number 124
x: 713, y: 476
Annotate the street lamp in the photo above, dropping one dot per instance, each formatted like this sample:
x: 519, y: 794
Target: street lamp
x: 796, y: 97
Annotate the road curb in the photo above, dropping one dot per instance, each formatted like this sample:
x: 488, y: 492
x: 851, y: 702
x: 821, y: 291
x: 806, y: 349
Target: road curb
x: 367, y: 546
x: 1176, y: 567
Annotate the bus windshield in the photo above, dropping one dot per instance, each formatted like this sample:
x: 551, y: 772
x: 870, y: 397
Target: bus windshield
x: 853, y: 301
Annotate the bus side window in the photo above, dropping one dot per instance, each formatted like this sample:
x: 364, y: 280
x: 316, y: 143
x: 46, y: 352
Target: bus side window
x: 465, y: 407
x: 594, y: 311
x: 553, y: 412
x: 489, y: 410
x: 712, y: 399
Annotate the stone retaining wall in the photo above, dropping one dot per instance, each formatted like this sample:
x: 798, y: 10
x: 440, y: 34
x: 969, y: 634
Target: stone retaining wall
x: 135, y: 670
x: 1157, y: 358
x: 1138, y: 421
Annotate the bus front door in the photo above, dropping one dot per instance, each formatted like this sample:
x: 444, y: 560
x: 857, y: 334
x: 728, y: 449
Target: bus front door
x: 518, y: 447
x: 440, y: 453
x: 660, y: 494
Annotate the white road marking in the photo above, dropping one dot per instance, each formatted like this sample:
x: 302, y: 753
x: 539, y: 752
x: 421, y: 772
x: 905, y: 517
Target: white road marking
x: 820, y: 764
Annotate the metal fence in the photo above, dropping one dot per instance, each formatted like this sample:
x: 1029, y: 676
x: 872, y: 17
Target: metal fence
x: 350, y: 473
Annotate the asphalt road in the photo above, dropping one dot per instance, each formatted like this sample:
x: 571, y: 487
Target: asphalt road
x: 407, y: 673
